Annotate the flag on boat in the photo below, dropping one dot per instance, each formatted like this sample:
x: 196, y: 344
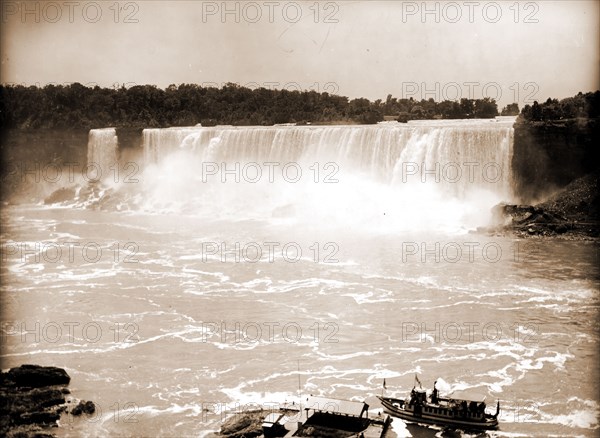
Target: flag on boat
x: 418, y: 381
x: 384, y: 387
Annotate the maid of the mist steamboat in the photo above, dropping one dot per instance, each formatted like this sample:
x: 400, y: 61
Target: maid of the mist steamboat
x: 459, y: 410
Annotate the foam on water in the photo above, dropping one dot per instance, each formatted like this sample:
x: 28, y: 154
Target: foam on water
x: 384, y: 178
x: 176, y: 363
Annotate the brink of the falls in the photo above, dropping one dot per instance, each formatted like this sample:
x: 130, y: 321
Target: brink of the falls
x: 424, y: 175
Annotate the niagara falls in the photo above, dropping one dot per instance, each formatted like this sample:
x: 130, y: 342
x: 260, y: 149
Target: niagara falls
x: 294, y: 219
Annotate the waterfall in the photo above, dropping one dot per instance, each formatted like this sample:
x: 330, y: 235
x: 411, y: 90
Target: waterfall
x: 441, y: 174
x: 458, y: 155
x: 102, y: 152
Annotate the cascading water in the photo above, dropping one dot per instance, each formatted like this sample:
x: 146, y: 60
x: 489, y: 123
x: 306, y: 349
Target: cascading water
x: 194, y: 288
x: 423, y: 175
x: 102, y: 152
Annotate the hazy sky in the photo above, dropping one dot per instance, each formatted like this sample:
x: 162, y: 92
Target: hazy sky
x: 367, y: 49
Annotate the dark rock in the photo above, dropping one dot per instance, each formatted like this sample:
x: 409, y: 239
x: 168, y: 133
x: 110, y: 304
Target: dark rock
x: 43, y: 397
x: 571, y: 213
x: 33, y: 399
x: 61, y: 195
x: 39, y: 417
x: 35, y: 376
x: 247, y: 425
x: 89, y: 192
x: 84, y: 407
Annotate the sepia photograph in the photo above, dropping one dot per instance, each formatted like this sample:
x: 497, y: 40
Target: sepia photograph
x: 335, y: 219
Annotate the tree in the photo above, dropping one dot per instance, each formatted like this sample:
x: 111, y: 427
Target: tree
x: 512, y: 109
x: 467, y: 108
x: 536, y: 111
x: 78, y: 106
x: 485, y: 108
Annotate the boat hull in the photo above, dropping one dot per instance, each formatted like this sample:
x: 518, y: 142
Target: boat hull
x: 396, y: 408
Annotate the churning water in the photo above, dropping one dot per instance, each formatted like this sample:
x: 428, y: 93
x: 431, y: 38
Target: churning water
x: 227, y: 259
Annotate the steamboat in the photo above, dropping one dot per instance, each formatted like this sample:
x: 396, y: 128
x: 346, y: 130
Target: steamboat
x: 460, y: 409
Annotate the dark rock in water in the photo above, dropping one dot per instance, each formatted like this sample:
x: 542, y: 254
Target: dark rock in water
x: 35, y: 376
x: 527, y: 219
x: 63, y: 194
x: 572, y: 213
x: 84, y: 407
x: 505, y: 213
x: 45, y: 398
x: 48, y: 418
x: 248, y: 425
x: 88, y: 191
x: 33, y: 398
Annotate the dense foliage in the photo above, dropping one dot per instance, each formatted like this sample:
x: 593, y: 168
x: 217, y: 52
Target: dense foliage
x: 580, y: 106
x: 510, y: 110
x: 74, y: 105
x: 410, y: 109
x: 57, y: 106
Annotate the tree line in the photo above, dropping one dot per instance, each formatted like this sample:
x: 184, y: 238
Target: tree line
x: 580, y: 106
x: 140, y: 106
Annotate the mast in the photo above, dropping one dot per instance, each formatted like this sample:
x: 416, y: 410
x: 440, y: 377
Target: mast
x: 299, y: 384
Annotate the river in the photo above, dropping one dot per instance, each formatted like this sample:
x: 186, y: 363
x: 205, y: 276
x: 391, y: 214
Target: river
x: 187, y: 298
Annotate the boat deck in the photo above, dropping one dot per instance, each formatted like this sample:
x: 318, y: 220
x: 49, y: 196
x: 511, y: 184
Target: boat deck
x: 301, y: 425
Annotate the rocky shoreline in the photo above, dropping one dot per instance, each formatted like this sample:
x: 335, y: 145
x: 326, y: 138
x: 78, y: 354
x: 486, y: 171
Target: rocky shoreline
x: 248, y: 425
x: 34, y: 398
x: 570, y: 214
